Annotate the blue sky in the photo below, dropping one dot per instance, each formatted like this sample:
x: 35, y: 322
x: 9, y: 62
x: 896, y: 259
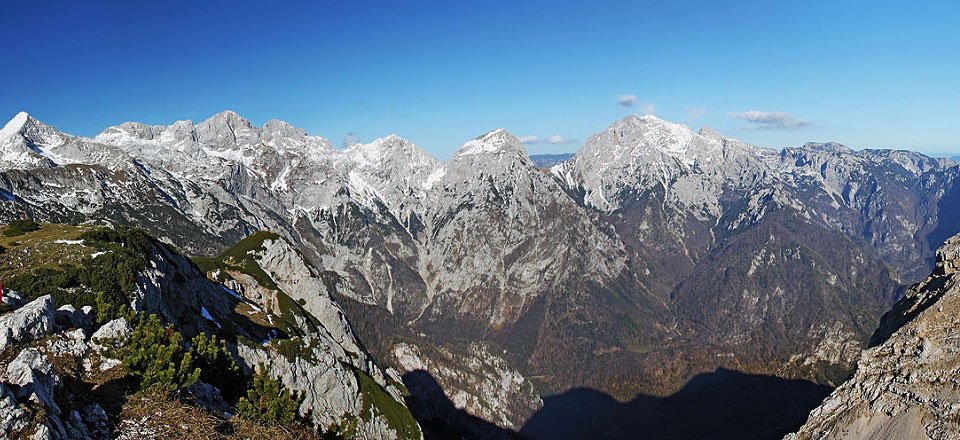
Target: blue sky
x: 867, y: 74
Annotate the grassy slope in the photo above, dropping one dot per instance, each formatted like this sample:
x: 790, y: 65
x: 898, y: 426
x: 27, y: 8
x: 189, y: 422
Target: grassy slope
x: 36, y: 249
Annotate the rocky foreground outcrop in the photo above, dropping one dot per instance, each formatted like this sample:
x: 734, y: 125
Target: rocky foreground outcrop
x: 60, y: 376
x: 907, y: 385
x: 27, y: 323
x: 30, y: 383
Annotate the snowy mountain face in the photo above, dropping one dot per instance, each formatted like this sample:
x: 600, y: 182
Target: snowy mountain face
x: 656, y: 249
x: 637, y: 154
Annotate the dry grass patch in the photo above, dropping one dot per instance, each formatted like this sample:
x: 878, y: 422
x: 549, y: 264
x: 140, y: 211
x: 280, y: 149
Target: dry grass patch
x: 153, y: 415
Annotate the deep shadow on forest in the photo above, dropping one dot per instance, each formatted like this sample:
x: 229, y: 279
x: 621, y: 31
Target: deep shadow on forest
x: 724, y: 404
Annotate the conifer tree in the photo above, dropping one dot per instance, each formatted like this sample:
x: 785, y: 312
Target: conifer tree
x: 155, y: 354
x: 268, y: 401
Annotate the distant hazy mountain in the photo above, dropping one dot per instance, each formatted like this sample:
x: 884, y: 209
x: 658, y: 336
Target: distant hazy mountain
x: 549, y: 160
x: 654, y: 254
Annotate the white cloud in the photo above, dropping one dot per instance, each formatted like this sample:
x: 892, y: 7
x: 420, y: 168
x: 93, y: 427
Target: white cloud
x: 626, y: 100
x: 770, y: 120
x: 550, y: 140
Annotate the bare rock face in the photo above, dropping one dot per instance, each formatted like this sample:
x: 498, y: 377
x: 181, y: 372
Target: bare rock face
x: 330, y: 389
x: 33, y: 373
x: 116, y: 329
x: 905, y: 386
x: 29, y: 322
x: 293, y: 276
x: 324, y: 362
x: 477, y: 380
x: 503, y: 234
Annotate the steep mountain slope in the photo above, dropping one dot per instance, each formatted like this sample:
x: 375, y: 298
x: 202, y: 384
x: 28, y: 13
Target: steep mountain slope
x: 722, y: 229
x: 905, y: 384
x: 502, y: 232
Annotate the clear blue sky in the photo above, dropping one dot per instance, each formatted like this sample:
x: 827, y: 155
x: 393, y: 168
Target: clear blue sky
x: 867, y: 74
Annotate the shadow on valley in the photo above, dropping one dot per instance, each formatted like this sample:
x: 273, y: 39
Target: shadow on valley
x: 724, y: 404
x: 438, y: 416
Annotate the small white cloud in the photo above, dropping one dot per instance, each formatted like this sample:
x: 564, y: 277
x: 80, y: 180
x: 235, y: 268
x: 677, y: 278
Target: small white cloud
x: 548, y: 140
x: 761, y: 120
x: 530, y: 139
x: 626, y: 100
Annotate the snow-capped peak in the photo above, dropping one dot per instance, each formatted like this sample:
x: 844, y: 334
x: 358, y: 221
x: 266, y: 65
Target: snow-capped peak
x: 14, y: 125
x: 393, y: 156
x: 375, y: 153
x: 26, y: 143
x: 496, y: 141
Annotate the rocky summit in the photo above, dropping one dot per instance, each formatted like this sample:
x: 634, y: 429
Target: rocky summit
x: 389, y: 294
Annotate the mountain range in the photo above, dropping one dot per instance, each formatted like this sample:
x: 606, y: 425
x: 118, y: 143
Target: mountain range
x: 655, y: 254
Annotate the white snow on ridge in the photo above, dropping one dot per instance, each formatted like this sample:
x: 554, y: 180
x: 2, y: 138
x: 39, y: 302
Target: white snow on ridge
x: 491, y: 142
x: 62, y: 241
x: 14, y: 125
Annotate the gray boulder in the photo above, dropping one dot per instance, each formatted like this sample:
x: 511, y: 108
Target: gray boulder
x: 43, y: 433
x: 29, y: 322
x: 209, y: 398
x: 117, y: 329
x: 33, y: 373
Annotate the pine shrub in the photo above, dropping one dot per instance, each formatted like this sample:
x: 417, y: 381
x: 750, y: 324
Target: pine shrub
x: 217, y: 366
x: 268, y: 401
x: 156, y: 355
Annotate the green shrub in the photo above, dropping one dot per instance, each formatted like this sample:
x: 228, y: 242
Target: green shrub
x: 155, y: 354
x: 20, y: 227
x: 217, y: 366
x: 268, y: 401
x: 107, y: 309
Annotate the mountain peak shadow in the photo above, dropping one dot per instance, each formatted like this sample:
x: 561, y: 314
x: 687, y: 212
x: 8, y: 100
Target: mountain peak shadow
x: 723, y: 404
x: 440, y: 418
